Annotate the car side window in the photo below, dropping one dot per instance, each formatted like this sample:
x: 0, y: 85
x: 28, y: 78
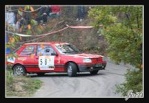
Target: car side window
x: 44, y: 50
x: 28, y: 50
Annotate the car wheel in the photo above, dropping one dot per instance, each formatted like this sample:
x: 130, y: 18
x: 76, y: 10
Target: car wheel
x: 72, y: 70
x: 94, y: 72
x: 40, y: 74
x: 19, y: 70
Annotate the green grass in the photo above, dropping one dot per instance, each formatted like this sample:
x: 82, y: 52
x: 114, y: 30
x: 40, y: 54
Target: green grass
x: 20, y: 86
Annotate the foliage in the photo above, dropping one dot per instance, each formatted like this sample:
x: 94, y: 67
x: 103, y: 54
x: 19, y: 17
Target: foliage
x: 123, y: 32
x: 123, y: 45
x: 12, y: 45
x: 133, y: 82
x: 20, y: 86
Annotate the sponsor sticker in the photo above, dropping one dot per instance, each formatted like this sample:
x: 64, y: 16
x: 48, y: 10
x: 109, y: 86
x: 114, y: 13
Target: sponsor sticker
x: 11, y: 59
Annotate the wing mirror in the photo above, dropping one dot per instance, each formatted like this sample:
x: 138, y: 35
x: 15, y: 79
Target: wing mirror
x: 54, y: 54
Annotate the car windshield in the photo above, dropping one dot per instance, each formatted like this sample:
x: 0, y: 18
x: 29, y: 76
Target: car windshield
x: 67, y: 48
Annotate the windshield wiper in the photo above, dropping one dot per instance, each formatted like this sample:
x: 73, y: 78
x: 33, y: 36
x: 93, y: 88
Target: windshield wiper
x: 74, y: 52
x: 66, y: 52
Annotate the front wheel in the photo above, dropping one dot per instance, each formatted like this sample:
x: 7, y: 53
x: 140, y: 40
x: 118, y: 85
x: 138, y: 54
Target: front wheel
x: 72, y: 69
x: 19, y: 70
x: 94, y: 72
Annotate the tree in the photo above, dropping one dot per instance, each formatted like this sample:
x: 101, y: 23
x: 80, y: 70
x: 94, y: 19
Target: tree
x: 123, y: 32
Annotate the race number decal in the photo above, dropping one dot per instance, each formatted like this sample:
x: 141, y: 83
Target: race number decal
x: 46, y: 62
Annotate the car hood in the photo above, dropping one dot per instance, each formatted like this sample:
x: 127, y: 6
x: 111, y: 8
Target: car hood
x: 84, y: 55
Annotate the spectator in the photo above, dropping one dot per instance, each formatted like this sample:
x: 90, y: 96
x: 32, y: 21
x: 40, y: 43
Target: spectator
x: 42, y: 15
x: 10, y: 18
x: 17, y: 26
x: 80, y: 13
x: 27, y: 14
x: 49, y: 10
x: 38, y: 18
x: 55, y: 10
x: 20, y: 23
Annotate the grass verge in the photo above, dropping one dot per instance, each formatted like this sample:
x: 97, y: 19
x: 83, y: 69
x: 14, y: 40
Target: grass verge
x: 20, y: 86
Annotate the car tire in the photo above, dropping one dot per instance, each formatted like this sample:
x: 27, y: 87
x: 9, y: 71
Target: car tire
x: 94, y: 72
x: 72, y: 70
x: 40, y: 74
x: 19, y: 70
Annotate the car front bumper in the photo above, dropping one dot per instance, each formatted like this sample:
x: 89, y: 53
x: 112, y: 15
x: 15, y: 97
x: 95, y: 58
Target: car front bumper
x: 92, y: 67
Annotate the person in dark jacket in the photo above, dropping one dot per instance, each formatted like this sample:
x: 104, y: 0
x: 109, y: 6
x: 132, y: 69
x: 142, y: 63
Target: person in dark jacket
x: 27, y: 14
x: 43, y: 14
x: 80, y: 13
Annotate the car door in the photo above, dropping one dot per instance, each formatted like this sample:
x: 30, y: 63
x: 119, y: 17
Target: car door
x: 45, y: 59
x: 27, y: 57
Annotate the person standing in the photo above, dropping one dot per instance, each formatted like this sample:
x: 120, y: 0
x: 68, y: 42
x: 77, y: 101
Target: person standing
x: 80, y: 13
x: 27, y: 14
x: 55, y: 10
x: 42, y: 15
x: 10, y: 18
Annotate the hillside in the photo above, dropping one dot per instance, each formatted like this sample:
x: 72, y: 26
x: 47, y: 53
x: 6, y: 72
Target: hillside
x: 85, y: 39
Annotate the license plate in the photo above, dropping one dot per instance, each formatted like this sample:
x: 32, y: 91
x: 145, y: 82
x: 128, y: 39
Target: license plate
x: 98, y: 65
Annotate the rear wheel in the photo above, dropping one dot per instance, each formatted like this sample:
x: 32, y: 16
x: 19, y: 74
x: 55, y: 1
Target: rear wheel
x: 19, y: 70
x: 94, y: 72
x: 72, y: 69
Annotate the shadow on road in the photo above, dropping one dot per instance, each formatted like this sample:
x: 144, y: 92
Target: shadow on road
x: 65, y: 75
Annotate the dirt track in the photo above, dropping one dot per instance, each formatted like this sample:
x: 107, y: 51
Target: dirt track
x: 84, y: 85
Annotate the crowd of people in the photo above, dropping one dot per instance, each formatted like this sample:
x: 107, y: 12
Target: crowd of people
x: 23, y: 16
x: 20, y: 17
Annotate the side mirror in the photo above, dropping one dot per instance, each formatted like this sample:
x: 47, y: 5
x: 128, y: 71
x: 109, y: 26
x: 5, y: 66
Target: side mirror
x: 54, y: 54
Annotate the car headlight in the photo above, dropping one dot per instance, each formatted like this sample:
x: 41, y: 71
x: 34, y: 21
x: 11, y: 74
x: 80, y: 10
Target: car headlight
x: 87, y: 60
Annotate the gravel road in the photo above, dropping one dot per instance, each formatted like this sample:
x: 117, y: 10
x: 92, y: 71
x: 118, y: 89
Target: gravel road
x: 84, y: 85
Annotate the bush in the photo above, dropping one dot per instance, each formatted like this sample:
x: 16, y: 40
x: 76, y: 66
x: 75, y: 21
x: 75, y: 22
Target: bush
x: 133, y: 82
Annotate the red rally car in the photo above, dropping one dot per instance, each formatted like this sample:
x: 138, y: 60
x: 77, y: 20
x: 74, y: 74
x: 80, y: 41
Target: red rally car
x: 45, y: 57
